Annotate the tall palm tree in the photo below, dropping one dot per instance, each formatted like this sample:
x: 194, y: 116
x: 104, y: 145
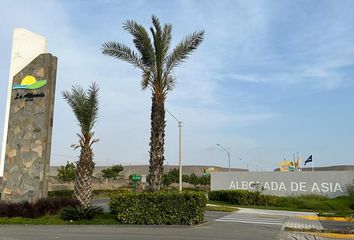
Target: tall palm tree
x: 84, y: 104
x: 154, y: 58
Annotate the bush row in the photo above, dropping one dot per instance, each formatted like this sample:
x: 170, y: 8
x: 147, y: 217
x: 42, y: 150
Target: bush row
x: 95, y: 192
x: 159, y: 207
x: 172, y: 176
x: 306, y: 202
x: 42, y: 207
x: 241, y: 197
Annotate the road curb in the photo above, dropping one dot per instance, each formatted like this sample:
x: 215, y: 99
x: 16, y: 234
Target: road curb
x: 317, y: 218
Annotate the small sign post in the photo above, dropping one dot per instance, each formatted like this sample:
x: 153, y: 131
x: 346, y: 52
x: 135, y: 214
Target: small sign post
x: 136, y: 179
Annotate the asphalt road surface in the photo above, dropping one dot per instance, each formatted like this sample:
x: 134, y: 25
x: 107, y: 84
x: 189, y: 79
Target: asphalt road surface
x: 210, y: 230
x: 242, y: 225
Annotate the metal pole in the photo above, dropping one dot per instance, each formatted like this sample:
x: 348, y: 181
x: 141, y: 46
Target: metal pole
x: 228, y: 155
x: 180, y: 155
x: 245, y: 163
x: 180, y: 149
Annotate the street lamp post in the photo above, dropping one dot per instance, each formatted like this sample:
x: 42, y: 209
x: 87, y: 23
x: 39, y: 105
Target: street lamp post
x: 180, y: 124
x: 180, y: 155
x: 245, y: 163
x: 228, y: 155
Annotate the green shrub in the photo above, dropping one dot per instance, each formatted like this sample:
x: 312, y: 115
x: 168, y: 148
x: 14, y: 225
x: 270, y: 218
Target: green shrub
x: 172, y: 176
x: 304, y: 202
x: 112, y: 172
x: 67, y: 173
x: 80, y: 212
x: 95, y: 192
x: 49, y: 206
x: 159, y: 207
x: 351, y: 206
x: 242, y: 197
x: 61, y: 193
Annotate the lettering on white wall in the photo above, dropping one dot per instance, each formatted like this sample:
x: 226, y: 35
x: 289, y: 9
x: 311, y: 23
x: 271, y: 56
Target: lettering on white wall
x: 322, y: 187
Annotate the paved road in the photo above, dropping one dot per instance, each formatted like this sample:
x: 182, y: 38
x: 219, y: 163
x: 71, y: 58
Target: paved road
x: 211, y: 230
x: 246, y: 224
x: 136, y: 232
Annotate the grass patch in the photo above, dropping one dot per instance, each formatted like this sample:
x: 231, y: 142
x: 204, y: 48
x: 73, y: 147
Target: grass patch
x: 221, y: 208
x: 46, y: 220
x: 105, y: 219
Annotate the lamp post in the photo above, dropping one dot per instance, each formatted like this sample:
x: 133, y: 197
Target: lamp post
x: 245, y: 163
x: 180, y: 124
x: 228, y: 155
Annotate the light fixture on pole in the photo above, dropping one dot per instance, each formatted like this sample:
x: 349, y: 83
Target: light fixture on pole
x: 228, y: 155
x: 180, y: 124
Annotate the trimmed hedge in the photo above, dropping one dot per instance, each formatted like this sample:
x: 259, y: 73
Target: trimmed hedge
x: 95, y: 192
x: 61, y: 193
x: 241, y: 197
x: 42, y: 207
x: 159, y: 207
x: 303, y: 202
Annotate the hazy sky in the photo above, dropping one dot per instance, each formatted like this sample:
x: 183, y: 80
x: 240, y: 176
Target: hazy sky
x: 272, y: 78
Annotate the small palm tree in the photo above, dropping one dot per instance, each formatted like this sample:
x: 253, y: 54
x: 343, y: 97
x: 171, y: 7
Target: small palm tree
x: 84, y: 104
x: 154, y: 58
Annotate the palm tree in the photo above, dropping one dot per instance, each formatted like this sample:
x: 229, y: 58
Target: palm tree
x: 157, y: 63
x: 84, y: 104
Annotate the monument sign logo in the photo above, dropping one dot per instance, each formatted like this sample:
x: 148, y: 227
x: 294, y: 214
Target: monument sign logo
x: 30, y: 83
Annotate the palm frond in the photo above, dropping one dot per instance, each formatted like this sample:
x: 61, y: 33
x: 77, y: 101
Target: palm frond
x: 182, y: 51
x: 92, y: 105
x: 147, y: 79
x: 157, y: 34
x: 85, y: 107
x: 141, y: 41
x: 76, y: 100
x: 170, y: 83
x: 122, y: 52
x: 167, y: 37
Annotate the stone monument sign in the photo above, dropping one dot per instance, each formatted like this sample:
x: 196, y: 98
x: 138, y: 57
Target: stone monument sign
x: 29, y: 130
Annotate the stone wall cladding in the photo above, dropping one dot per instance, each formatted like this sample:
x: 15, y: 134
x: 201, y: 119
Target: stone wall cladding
x: 29, y: 134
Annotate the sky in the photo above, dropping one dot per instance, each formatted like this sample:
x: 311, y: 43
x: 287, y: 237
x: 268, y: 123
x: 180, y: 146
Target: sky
x: 272, y: 78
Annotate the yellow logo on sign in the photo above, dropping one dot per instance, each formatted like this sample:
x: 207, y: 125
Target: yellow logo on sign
x: 31, y: 83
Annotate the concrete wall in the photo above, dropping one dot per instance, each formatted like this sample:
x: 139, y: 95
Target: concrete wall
x: 329, y: 183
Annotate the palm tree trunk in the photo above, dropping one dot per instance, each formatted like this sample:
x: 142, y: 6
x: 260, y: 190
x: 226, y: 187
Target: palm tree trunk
x: 83, y: 181
x: 157, y: 141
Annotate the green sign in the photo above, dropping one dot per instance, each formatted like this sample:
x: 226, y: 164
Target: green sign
x: 136, y: 177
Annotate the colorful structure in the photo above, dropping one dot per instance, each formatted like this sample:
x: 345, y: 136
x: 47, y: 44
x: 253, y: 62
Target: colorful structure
x: 289, y: 166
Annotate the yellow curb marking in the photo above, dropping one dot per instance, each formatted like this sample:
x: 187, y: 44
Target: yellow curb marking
x: 335, y: 235
x: 316, y: 218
